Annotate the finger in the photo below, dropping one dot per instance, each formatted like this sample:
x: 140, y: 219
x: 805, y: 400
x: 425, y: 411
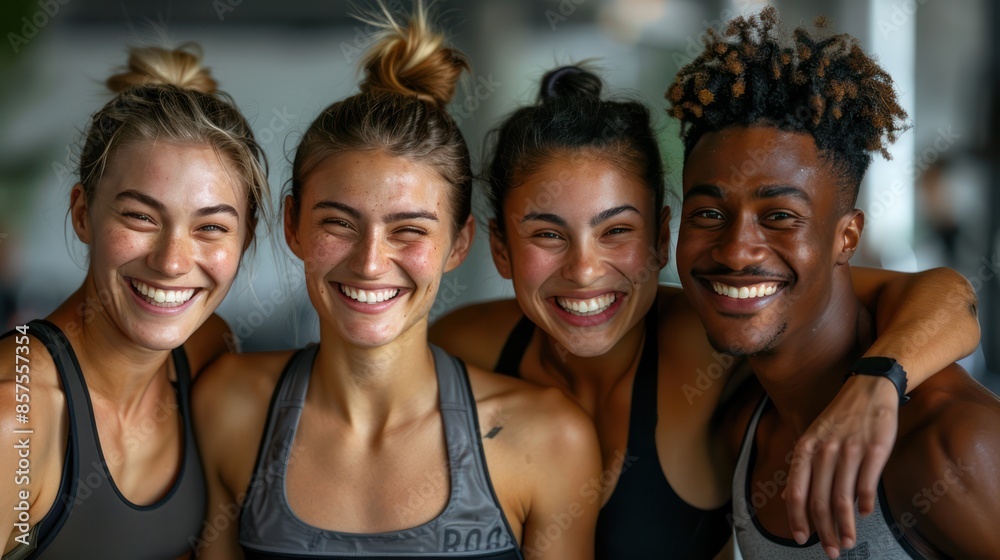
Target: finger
x: 797, y: 488
x: 820, y: 509
x: 869, y: 473
x: 844, y: 487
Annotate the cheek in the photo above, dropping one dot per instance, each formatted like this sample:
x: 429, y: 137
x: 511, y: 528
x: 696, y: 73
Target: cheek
x: 533, y: 265
x: 222, y: 261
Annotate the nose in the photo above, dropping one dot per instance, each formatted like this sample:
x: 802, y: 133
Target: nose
x: 173, y: 254
x: 370, y: 257
x: 741, y: 244
x: 584, y: 264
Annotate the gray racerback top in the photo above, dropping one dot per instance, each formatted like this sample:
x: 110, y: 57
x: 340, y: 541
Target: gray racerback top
x: 878, y: 535
x: 90, y: 518
x: 472, y: 524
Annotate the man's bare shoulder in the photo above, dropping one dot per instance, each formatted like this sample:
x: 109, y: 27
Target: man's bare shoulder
x: 944, y: 473
x: 477, y: 333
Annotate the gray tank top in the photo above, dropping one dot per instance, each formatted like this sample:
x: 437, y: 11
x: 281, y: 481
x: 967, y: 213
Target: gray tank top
x: 90, y: 518
x: 878, y: 535
x: 472, y: 524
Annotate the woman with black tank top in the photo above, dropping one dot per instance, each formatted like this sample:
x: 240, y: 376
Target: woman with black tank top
x: 167, y: 200
x: 578, y: 224
x: 373, y: 444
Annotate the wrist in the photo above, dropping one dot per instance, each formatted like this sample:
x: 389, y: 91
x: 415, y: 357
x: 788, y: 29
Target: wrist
x: 886, y: 368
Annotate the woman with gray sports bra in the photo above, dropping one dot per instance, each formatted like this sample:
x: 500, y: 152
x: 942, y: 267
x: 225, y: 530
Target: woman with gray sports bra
x: 167, y: 202
x: 373, y: 443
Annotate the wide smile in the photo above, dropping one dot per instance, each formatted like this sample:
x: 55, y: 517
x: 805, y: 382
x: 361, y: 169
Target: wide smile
x: 742, y: 296
x: 162, y: 299
x: 588, y: 311
x: 370, y: 300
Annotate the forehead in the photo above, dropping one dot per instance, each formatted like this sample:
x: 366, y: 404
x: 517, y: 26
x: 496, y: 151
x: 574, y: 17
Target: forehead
x: 181, y: 175
x: 577, y: 182
x: 374, y: 176
x: 742, y: 159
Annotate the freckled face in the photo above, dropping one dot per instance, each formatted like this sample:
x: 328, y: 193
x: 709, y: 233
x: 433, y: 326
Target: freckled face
x: 580, y: 245
x: 760, y: 236
x: 376, y: 234
x: 166, y: 230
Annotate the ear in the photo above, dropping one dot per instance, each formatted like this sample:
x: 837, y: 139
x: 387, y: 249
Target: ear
x: 498, y: 248
x: 663, y: 240
x: 849, y: 235
x: 463, y: 242
x: 291, y: 229
x: 78, y: 214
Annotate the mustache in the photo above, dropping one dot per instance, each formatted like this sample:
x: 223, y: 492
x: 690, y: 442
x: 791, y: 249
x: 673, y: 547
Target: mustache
x: 753, y: 271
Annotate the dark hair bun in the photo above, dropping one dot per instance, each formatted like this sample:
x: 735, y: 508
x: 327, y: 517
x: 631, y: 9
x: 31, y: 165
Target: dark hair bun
x: 570, y: 81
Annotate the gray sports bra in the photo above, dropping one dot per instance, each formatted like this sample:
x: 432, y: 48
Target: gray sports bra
x: 472, y: 524
x: 90, y: 518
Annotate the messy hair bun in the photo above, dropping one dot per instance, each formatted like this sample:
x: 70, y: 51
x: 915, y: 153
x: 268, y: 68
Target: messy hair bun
x: 412, y: 60
x: 410, y: 76
x: 167, y: 95
x: 180, y: 67
x: 570, y: 81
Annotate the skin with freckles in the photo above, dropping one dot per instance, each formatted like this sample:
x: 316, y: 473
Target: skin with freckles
x: 165, y: 216
x: 782, y: 224
x: 373, y: 226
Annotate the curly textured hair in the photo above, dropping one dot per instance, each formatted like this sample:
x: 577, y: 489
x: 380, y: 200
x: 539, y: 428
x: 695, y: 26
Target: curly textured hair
x: 168, y: 95
x: 825, y: 86
x: 410, y: 76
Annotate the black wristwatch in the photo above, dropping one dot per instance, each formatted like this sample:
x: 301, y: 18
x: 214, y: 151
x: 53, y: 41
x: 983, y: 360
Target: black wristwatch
x: 883, y: 367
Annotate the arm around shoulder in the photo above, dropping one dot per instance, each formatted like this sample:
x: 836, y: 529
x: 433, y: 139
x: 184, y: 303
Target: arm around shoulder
x: 476, y: 333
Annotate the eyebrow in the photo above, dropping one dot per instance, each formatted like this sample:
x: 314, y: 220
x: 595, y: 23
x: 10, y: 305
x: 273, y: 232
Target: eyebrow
x: 778, y: 191
x: 162, y: 208
x: 388, y: 218
x: 704, y: 190
x: 764, y: 192
x: 552, y: 218
x: 611, y: 213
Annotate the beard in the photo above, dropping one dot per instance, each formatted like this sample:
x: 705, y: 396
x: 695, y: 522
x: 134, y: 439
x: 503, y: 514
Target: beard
x: 756, y: 343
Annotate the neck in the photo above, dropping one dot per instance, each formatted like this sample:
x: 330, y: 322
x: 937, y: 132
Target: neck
x: 118, y: 372
x: 804, y: 373
x: 595, y: 374
x: 375, y: 389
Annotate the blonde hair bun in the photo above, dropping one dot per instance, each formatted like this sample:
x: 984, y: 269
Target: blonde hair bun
x: 411, y: 60
x: 180, y: 67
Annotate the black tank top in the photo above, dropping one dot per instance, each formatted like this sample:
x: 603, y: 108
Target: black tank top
x: 472, y: 524
x: 90, y: 518
x: 644, y: 518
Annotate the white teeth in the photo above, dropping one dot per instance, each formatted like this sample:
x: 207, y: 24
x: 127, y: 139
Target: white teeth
x: 369, y: 297
x: 160, y: 297
x: 585, y: 307
x: 745, y: 292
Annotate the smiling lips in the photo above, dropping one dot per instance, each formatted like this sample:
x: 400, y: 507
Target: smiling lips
x: 368, y: 296
x: 163, y: 298
x: 586, y: 307
x: 745, y: 292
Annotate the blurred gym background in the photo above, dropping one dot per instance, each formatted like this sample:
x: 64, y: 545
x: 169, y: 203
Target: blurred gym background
x: 936, y: 203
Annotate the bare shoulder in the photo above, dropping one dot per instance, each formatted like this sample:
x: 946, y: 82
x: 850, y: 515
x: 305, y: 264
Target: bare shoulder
x: 531, y: 417
x: 237, y: 387
x: 476, y: 333
x: 210, y: 341
x: 944, y: 473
